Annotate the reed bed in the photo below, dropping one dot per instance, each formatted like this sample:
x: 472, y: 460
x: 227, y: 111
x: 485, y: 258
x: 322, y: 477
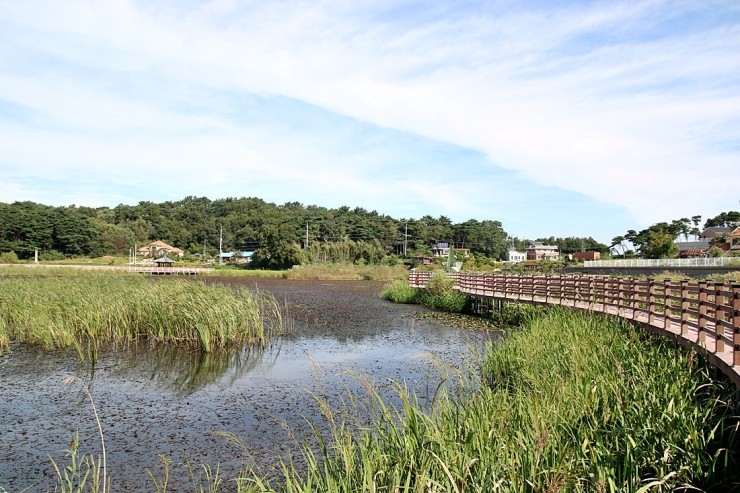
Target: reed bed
x: 400, y: 291
x: 571, y: 402
x: 86, y: 309
x: 347, y: 271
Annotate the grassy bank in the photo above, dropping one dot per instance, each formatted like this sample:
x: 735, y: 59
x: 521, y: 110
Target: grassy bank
x: 318, y: 271
x: 571, y: 402
x: 84, y: 309
x: 322, y: 271
x: 346, y: 271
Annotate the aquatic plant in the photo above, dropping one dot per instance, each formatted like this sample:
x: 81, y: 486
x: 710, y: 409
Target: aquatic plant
x: 87, y: 309
x: 83, y: 473
x: 439, y: 294
x: 399, y: 291
x: 571, y: 402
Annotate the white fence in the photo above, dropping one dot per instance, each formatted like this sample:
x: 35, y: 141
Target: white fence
x: 666, y: 262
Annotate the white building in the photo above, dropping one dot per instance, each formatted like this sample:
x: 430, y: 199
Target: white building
x: 515, y: 256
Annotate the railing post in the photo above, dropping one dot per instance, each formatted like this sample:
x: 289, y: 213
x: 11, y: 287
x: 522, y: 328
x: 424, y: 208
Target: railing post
x: 577, y: 292
x: 685, y: 307
x: 667, y: 307
x: 519, y: 293
x: 651, y: 301
x: 719, y: 317
x: 736, y: 324
x: 633, y: 297
x: 591, y: 287
x: 703, y: 306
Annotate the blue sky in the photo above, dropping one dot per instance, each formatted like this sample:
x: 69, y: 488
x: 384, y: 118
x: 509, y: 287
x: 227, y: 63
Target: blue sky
x: 556, y: 118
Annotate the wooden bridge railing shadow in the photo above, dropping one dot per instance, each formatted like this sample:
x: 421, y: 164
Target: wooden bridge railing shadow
x: 702, y: 315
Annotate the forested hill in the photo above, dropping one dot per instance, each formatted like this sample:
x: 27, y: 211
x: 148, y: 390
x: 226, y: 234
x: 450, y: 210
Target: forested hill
x: 195, y: 224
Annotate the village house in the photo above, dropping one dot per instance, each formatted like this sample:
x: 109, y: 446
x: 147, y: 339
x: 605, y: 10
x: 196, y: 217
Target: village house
x: 733, y: 239
x: 693, y: 249
x: 442, y: 249
x: 235, y: 257
x: 712, y: 233
x: 540, y: 251
x: 158, y: 249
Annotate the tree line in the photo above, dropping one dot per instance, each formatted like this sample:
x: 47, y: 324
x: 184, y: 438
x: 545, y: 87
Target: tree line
x: 658, y: 240
x: 279, y: 235
x: 200, y: 225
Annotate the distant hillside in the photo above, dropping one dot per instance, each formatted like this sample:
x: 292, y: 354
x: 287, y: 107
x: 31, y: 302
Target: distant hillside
x: 195, y: 224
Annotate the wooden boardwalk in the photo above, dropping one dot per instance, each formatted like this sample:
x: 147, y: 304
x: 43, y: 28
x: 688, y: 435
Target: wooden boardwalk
x: 701, y: 315
x: 168, y: 271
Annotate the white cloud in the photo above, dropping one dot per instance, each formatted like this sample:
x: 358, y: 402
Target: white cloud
x: 631, y: 103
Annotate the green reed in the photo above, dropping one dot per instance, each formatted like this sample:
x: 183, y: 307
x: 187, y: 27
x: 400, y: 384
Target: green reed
x: 399, y: 291
x: 570, y: 402
x: 84, y: 310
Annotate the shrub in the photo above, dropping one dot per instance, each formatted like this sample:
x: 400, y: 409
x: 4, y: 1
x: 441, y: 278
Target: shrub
x: 453, y: 302
x: 440, y: 283
x: 441, y: 295
x: 400, y: 292
x: 51, y: 255
x: 8, y: 258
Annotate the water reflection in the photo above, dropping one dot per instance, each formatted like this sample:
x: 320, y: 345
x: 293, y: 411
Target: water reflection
x: 183, y: 371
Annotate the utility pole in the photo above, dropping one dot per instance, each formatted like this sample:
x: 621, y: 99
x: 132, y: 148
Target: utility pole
x: 306, y: 234
x: 405, y: 238
x: 220, y: 246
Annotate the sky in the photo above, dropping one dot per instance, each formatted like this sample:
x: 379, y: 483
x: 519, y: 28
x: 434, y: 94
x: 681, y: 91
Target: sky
x: 557, y: 118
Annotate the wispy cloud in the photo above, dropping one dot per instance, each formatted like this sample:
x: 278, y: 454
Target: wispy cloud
x: 622, y: 113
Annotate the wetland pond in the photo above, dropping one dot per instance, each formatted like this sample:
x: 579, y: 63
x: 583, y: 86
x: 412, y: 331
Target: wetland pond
x: 162, y: 401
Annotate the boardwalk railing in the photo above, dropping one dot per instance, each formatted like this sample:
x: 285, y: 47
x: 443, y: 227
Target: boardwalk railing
x: 665, y: 262
x: 165, y: 271
x: 703, y: 315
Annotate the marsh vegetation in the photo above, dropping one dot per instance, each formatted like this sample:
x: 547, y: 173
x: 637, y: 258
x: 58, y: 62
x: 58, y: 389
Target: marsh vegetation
x: 85, y: 310
x: 567, y: 401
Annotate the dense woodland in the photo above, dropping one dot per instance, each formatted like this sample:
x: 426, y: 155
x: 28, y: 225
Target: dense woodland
x: 280, y: 235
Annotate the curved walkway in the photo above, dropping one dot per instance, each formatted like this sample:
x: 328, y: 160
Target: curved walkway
x: 701, y: 315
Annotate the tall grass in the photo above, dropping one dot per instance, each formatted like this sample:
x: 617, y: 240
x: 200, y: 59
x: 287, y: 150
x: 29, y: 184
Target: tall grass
x: 321, y: 271
x: 437, y: 295
x: 571, y: 402
x: 347, y: 271
x: 399, y: 291
x: 85, y: 310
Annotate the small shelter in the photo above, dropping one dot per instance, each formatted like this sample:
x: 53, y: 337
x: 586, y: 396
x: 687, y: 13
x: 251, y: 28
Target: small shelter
x: 164, y: 262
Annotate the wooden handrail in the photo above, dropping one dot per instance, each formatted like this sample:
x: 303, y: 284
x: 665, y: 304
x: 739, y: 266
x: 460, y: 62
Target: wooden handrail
x: 703, y: 315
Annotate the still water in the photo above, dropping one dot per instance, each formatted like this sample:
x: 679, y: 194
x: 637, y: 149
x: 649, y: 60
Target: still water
x: 166, y: 402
